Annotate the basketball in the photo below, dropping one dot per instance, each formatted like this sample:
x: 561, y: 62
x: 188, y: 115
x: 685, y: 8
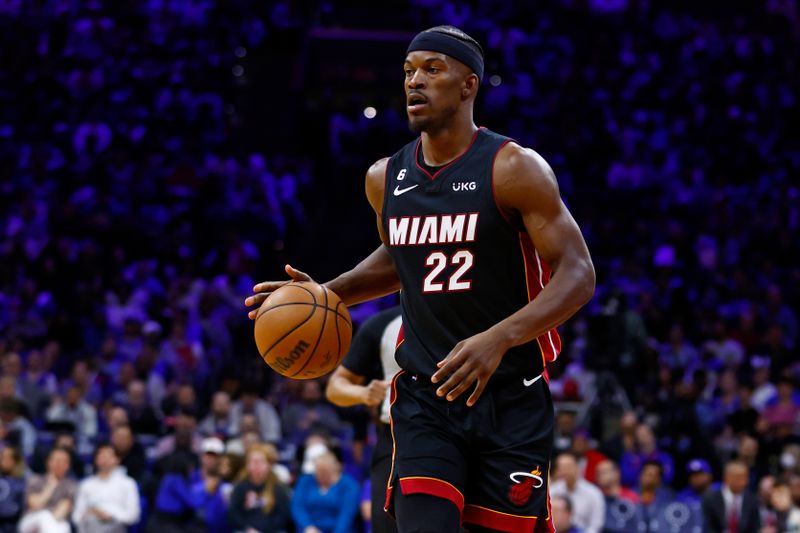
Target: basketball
x: 303, y: 330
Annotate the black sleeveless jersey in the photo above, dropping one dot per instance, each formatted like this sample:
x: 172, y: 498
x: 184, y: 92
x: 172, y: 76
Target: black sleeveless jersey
x: 462, y: 265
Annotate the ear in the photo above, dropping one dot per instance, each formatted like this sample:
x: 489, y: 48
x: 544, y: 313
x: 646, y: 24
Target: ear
x: 470, y: 86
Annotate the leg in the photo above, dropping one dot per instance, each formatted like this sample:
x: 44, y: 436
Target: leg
x: 429, y: 458
x: 423, y: 513
x: 509, y: 489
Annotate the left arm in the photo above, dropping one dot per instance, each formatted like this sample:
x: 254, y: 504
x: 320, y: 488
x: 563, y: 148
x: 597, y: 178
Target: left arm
x: 81, y: 501
x: 525, y: 187
x: 128, y: 512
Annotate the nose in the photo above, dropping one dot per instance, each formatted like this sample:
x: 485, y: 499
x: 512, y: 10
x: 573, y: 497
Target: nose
x: 417, y: 80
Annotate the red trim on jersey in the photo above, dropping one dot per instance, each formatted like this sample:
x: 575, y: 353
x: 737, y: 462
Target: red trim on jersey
x: 494, y: 196
x: 488, y: 518
x: 401, y: 336
x: 433, y: 176
x: 387, y: 506
x: 434, y: 487
x: 537, y: 275
x: 546, y: 525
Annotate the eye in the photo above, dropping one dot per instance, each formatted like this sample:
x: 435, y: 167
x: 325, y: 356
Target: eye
x: 408, y: 72
x: 433, y: 70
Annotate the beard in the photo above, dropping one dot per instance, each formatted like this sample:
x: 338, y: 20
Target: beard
x: 432, y: 124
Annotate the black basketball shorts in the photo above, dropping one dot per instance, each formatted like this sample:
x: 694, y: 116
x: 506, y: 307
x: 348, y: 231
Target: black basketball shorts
x: 491, y: 460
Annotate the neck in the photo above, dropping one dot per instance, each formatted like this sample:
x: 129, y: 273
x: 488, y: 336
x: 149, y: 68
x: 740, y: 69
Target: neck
x: 330, y: 482
x: 104, y: 474
x: 444, y: 145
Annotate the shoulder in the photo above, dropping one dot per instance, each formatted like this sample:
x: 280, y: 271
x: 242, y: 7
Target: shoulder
x: 376, y: 174
x: 517, y: 166
x: 375, y: 182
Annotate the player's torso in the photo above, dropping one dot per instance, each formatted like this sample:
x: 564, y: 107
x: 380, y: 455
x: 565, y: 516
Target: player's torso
x: 462, y: 266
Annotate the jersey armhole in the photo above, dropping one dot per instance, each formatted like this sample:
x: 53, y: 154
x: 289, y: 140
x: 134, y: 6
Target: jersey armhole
x: 385, y: 199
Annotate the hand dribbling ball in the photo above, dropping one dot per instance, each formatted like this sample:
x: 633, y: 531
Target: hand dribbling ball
x: 303, y: 330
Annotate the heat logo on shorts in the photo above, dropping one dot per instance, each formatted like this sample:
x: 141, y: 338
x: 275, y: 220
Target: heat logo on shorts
x: 524, y: 483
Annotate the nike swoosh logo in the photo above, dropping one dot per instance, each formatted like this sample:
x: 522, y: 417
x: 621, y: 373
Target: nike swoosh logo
x: 529, y: 382
x: 398, y: 191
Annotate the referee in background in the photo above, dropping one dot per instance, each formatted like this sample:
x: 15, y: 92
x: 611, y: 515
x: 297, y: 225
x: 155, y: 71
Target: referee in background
x: 363, y: 378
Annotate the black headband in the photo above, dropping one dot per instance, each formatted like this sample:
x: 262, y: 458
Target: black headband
x: 449, y: 45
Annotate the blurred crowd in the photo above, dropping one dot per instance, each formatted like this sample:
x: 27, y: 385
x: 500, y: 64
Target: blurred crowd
x: 141, y: 197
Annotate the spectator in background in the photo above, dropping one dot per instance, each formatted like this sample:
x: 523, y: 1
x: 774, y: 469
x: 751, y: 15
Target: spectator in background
x: 249, y: 435
x: 65, y: 440
x: 184, y: 436
x: 653, y: 496
x: 621, y: 502
x: 142, y: 416
x: 744, y: 418
x: 260, y: 502
x: 12, y: 499
x: 34, y: 398
x: 561, y: 511
x: 49, y: 498
x: 114, y: 417
x: 209, y: 490
x: 75, y: 410
x: 564, y: 430
x: 699, y: 481
x: 589, y: 508
x: 38, y: 375
x: 14, y: 428
x: 230, y: 467
x: 174, y: 510
x: 182, y: 399
x: 608, y: 480
x: 588, y: 456
x: 327, y: 501
x: 764, y: 391
x: 764, y: 495
x: 219, y: 421
x: 269, y: 424
x: 787, y: 513
x: 644, y: 450
x: 131, y: 454
x: 107, y: 501
x: 783, y: 414
x: 300, y: 418
x: 732, y: 508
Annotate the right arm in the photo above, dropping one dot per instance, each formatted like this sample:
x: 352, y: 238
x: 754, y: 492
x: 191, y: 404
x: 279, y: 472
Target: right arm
x: 346, y: 388
x: 80, y: 504
x: 38, y: 496
x: 372, y: 278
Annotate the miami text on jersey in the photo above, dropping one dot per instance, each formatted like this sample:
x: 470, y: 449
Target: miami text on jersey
x: 432, y: 229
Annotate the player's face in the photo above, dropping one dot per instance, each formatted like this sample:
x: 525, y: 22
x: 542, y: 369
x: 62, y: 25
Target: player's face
x: 433, y: 85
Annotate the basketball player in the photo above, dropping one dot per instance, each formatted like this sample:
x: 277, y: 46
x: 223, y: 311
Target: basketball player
x: 473, y: 229
x: 363, y: 378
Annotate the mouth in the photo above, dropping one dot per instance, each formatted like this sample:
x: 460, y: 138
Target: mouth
x: 416, y: 102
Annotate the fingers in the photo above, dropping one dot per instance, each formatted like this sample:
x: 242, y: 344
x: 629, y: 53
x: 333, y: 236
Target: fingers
x: 256, y: 299
x: 447, y: 365
x: 297, y: 275
x: 457, y: 385
x: 481, y: 384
